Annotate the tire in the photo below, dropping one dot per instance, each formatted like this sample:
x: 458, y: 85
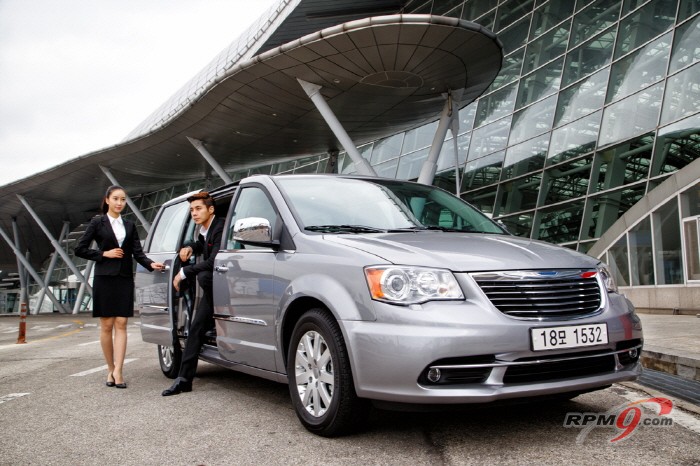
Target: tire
x: 169, y: 358
x: 320, y: 378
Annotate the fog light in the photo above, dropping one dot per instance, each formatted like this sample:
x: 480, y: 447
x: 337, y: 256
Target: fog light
x: 434, y: 374
x: 633, y: 353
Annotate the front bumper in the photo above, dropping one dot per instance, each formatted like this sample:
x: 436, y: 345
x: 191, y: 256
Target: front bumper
x: 489, y: 354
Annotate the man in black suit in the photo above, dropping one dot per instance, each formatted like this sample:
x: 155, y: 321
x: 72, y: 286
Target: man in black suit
x: 207, y: 245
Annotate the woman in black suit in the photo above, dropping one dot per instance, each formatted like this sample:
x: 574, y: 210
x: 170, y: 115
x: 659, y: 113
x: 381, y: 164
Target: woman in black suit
x: 113, y: 281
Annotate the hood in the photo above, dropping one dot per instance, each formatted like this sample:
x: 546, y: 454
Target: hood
x: 465, y: 252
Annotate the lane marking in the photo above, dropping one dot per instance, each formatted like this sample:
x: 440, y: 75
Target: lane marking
x: 98, y: 369
x: 97, y: 341
x: 11, y: 396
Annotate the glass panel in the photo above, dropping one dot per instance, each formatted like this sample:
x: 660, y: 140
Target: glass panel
x: 631, y: 116
x: 687, y: 9
x: 483, y: 172
x: 607, y: 208
x: 685, y: 45
x: 623, y: 164
x: 419, y: 137
x: 682, y: 95
x: 567, y: 181
x: 630, y: 5
x: 515, y: 36
x: 475, y: 8
x: 667, y: 244
x: 574, y: 139
x: 639, y: 69
x: 677, y: 145
x: 526, y: 157
x: 585, y: 247
x: 533, y: 120
x: 410, y: 165
x: 539, y: 84
x: 252, y: 202
x: 546, y: 48
x: 641, y: 254
x: 489, y: 138
x: 551, y: 14
x: 308, y: 168
x: 487, y: 20
x: 691, y: 201
x: 583, y: 98
x: 519, y: 194
x: 589, y: 57
x: 442, y: 7
x: 446, y: 158
x: 510, y: 71
x: 639, y: 27
x: 617, y: 260
x: 561, y: 224
x: 496, y: 105
x: 692, y: 249
x: 593, y: 19
x: 482, y: 200
x: 510, y: 11
x: 387, y: 148
x: 466, y: 117
x: 387, y: 169
x: 520, y: 225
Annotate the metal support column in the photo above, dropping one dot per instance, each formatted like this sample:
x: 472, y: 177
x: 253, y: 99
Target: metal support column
x: 23, y: 291
x: 199, y: 145
x: 81, y: 290
x: 145, y: 223
x: 30, y: 269
x: 50, y: 269
x: 64, y: 255
x: 313, y: 91
x: 449, y: 111
x: 455, y: 131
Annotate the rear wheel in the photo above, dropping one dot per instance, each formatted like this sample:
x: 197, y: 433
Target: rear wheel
x: 169, y: 358
x: 320, y: 378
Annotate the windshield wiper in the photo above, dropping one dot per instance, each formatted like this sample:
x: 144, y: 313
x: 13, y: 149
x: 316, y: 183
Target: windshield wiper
x: 344, y: 229
x: 439, y: 228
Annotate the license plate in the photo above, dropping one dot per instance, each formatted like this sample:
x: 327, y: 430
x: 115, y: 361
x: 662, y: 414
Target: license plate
x: 572, y: 336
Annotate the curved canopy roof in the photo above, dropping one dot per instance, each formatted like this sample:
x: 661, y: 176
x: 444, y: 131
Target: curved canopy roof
x: 380, y: 75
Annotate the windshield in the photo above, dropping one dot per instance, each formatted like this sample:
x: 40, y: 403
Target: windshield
x: 336, y: 204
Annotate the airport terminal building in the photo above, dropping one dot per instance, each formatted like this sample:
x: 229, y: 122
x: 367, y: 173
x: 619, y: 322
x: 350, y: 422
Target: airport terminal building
x: 587, y: 137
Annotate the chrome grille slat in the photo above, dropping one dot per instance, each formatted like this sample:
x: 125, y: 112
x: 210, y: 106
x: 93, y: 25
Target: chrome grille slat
x: 557, y: 293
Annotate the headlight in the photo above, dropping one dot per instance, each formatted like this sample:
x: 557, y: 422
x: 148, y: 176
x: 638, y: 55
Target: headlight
x: 607, y: 277
x: 411, y: 285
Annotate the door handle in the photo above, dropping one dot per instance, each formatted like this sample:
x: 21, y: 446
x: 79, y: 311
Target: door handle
x: 221, y: 269
x: 165, y: 269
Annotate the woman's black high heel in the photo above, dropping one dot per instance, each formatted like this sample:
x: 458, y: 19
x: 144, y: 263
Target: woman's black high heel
x: 112, y: 383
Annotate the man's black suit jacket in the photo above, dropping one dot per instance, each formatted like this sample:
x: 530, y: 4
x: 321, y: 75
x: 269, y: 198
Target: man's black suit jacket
x: 101, y: 231
x: 207, y: 249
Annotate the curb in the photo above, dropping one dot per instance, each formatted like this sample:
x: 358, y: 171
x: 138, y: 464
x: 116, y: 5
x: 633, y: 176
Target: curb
x: 685, y: 365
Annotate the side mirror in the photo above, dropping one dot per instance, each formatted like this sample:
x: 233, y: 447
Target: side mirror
x: 255, y: 231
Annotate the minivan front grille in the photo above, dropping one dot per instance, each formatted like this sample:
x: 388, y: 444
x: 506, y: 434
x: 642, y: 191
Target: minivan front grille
x: 546, y: 294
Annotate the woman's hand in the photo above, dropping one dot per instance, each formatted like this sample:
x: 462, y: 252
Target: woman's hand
x: 116, y: 253
x: 157, y: 266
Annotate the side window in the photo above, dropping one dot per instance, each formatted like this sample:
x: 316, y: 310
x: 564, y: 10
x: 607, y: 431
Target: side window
x: 252, y: 202
x: 168, y: 230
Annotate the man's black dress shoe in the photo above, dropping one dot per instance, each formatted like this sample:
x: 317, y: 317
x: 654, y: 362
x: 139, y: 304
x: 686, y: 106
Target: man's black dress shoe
x: 178, y: 387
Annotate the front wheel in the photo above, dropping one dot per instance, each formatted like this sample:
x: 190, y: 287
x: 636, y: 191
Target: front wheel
x: 320, y: 378
x: 169, y: 358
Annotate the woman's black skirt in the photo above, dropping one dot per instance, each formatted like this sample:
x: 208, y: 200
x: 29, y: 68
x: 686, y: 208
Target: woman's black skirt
x: 112, y: 296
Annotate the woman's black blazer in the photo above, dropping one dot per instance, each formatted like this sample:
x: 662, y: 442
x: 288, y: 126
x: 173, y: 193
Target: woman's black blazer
x: 101, y: 231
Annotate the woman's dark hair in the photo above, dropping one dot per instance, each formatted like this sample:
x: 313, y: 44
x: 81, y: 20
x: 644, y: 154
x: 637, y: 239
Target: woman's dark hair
x: 108, y: 193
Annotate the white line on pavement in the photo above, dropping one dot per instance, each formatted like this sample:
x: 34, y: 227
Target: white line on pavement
x: 679, y: 417
x: 11, y: 396
x: 97, y: 341
x: 98, y: 369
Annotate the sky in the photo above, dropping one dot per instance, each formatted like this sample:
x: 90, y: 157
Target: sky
x: 77, y: 76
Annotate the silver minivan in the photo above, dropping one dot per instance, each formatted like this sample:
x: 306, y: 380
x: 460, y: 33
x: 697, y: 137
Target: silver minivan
x: 356, y: 289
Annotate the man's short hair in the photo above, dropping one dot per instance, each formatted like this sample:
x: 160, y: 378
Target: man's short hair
x: 202, y: 196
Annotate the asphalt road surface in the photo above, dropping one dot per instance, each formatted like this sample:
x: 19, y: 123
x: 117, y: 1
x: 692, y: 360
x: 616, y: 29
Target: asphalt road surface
x: 55, y: 409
